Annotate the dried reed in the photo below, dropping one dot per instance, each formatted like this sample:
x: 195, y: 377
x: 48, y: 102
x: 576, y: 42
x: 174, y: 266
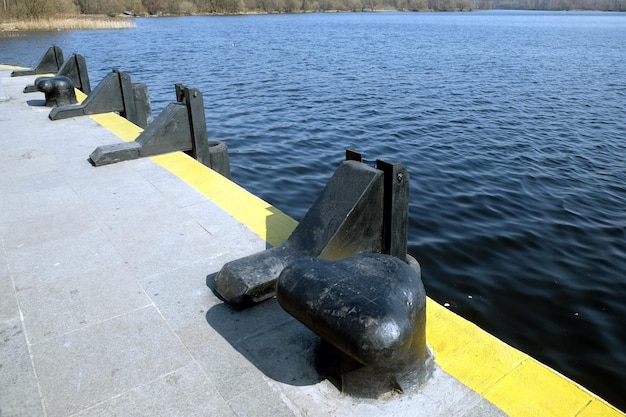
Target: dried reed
x: 68, y: 23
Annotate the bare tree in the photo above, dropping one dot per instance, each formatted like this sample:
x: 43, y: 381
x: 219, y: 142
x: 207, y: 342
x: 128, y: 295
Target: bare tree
x: 153, y: 6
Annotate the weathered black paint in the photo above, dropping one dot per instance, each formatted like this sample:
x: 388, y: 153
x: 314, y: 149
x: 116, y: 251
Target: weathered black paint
x: 372, y: 308
x: 59, y: 91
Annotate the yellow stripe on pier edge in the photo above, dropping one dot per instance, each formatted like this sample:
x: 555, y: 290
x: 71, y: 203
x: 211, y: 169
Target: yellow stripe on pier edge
x: 513, y: 381
x: 269, y: 223
x: 516, y: 383
x: 11, y: 67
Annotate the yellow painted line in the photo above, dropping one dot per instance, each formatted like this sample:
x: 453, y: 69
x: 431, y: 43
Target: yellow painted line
x: 450, y: 336
x: 511, y: 380
x: 11, y: 67
x: 80, y: 96
x: 599, y: 408
x: 532, y: 389
x: 126, y: 130
x: 267, y: 222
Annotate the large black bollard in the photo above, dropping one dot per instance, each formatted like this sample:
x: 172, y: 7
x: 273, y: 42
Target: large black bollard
x: 372, y: 309
x: 59, y: 91
x: 361, y: 210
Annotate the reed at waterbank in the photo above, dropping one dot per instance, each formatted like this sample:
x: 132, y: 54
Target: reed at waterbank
x: 68, y: 23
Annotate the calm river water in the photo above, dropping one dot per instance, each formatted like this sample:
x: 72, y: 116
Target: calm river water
x: 512, y: 125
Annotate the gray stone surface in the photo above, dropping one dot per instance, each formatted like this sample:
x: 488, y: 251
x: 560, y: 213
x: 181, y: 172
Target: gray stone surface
x: 8, y: 300
x: 19, y: 392
x: 185, y: 392
x: 107, y: 303
x: 105, y: 360
x: 54, y: 308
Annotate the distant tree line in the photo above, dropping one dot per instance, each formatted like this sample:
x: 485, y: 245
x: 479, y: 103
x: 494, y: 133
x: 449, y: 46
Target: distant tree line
x: 280, y: 6
x: 28, y: 9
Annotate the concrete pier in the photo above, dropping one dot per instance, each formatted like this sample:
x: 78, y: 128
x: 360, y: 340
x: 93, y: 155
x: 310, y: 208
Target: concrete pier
x: 107, y: 305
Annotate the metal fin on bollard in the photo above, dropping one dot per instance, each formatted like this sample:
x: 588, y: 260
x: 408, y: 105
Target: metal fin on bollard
x: 181, y: 126
x: 115, y: 93
x: 49, y: 63
x: 75, y: 68
x: 360, y: 211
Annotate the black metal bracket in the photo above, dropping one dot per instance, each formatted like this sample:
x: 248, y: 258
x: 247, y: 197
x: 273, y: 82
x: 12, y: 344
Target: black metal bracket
x: 181, y: 126
x: 49, y: 63
x: 115, y: 93
x: 75, y: 68
x: 198, y: 137
x: 361, y: 210
x: 395, y: 209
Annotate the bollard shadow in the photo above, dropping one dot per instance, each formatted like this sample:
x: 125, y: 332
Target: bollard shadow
x: 267, y: 336
x: 36, y: 103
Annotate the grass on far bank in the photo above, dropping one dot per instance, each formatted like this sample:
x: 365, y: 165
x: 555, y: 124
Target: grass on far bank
x: 68, y: 23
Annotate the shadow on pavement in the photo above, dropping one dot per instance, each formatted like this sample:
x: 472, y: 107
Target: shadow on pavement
x: 273, y: 341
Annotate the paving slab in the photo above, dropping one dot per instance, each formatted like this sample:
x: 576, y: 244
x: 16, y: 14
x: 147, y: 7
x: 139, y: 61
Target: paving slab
x: 77, y: 301
x: 98, y: 362
x: 19, y: 390
x: 184, y: 392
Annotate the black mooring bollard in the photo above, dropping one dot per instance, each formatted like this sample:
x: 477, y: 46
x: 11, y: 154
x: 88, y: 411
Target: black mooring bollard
x: 371, y: 308
x: 219, y: 160
x: 361, y: 210
x: 59, y: 91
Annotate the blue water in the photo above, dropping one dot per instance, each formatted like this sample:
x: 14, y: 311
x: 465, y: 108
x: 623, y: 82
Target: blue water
x: 511, y: 124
